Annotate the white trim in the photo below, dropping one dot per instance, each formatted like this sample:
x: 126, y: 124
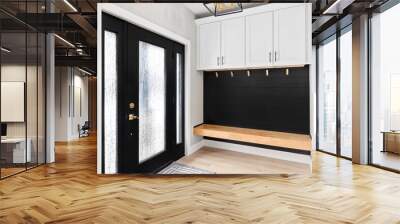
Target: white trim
x: 99, y: 87
x: 112, y: 9
x: 270, y: 153
x: 244, y: 67
x: 195, y: 147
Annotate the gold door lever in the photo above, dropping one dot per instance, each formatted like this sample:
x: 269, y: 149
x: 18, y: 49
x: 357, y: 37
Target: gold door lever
x: 132, y: 117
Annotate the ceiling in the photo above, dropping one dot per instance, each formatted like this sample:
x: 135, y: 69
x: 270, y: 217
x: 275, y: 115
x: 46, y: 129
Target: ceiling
x: 79, y: 27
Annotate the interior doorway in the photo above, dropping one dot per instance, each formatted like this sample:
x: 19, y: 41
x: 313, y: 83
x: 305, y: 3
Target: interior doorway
x: 75, y: 106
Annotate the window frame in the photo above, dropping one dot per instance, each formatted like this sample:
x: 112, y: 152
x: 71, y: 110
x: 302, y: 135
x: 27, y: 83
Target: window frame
x: 334, y: 37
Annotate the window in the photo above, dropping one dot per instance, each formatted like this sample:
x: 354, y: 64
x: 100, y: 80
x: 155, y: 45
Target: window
x: 346, y: 93
x: 335, y: 94
x: 385, y: 89
x: 22, y: 101
x: 327, y: 96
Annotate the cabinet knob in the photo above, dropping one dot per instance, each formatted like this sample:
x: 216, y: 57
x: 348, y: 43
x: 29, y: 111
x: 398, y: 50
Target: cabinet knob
x: 132, y: 117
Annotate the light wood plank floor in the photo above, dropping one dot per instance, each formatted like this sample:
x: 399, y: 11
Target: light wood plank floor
x: 221, y: 161
x: 70, y: 191
x: 10, y: 171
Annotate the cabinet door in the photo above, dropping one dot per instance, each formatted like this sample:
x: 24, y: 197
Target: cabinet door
x: 209, y: 45
x: 233, y: 43
x: 259, y: 39
x: 290, y: 35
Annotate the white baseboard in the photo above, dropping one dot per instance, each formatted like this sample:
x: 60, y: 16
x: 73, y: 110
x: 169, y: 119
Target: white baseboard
x: 195, y: 147
x: 271, y: 153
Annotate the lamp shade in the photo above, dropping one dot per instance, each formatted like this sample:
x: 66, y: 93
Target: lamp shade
x: 219, y: 9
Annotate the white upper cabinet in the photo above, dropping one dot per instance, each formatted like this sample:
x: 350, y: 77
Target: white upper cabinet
x: 274, y: 35
x: 259, y: 39
x: 291, y: 41
x: 209, y: 39
x: 233, y: 43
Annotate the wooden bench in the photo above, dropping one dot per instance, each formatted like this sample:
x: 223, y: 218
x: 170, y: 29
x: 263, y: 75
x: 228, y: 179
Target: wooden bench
x: 285, y: 140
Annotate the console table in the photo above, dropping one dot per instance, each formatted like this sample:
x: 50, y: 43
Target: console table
x: 13, y: 150
x: 391, y: 141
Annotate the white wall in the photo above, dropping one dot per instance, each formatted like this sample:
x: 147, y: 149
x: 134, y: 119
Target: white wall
x: 313, y: 98
x: 81, y: 81
x: 17, y: 72
x: 33, y: 126
x: 11, y: 73
x: 61, y: 103
x: 68, y: 81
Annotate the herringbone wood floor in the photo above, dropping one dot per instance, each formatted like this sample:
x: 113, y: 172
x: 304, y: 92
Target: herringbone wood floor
x: 69, y: 191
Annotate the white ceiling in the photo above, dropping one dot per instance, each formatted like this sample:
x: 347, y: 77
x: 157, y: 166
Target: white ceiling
x: 199, y: 10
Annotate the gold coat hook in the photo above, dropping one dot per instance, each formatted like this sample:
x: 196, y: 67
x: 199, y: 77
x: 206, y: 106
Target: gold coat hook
x: 287, y: 71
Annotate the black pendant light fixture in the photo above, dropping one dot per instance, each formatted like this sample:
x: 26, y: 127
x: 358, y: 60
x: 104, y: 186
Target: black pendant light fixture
x: 220, y: 9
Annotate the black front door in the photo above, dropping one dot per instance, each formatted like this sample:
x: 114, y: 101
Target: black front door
x: 150, y: 99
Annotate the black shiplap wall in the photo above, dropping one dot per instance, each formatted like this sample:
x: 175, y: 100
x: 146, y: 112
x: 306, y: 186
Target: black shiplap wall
x: 276, y: 102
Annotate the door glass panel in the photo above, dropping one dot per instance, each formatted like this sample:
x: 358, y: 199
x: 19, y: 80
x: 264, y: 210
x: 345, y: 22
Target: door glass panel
x: 179, y: 98
x: 327, y: 97
x: 110, y: 100
x: 152, y: 94
x: 346, y: 94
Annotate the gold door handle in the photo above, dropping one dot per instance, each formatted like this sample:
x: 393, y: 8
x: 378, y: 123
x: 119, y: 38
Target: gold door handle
x: 132, y: 117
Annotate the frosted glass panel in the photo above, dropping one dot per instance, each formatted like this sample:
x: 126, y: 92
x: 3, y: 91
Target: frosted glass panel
x: 327, y: 97
x: 110, y: 102
x: 179, y: 98
x: 152, y: 93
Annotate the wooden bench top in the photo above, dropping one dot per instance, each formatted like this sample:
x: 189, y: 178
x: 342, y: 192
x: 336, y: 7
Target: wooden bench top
x: 255, y: 136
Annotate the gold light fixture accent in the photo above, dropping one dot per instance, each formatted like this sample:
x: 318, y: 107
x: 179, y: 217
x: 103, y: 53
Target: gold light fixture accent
x: 220, y: 9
